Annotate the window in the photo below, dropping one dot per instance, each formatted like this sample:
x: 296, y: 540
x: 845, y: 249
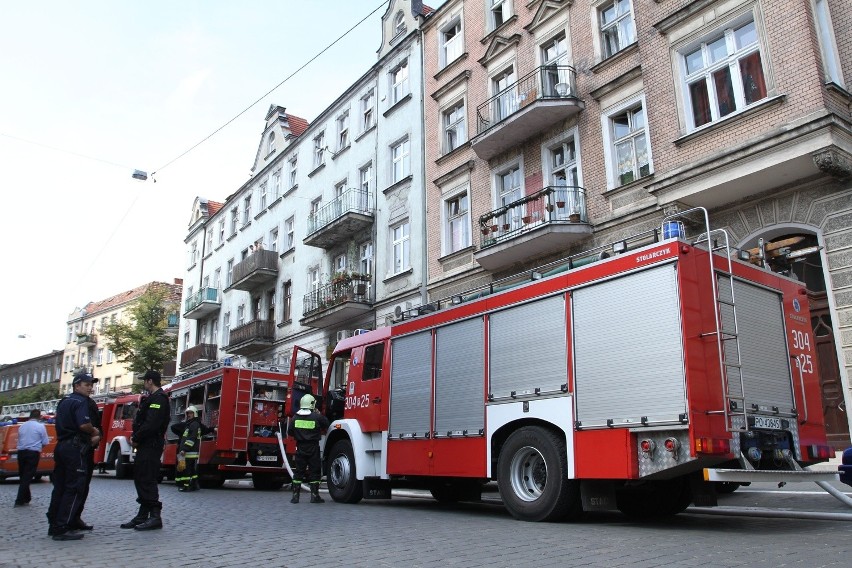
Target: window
x: 221, y: 230
x: 454, y: 127
x: 290, y: 237
x: 217, y: 277
x: 399, y: 82
x: 313, y: 279
x: 628, y: 144
x: 293, y: 168
x: 100, y: 356
x: 342, y: 131
x: 315, y: 207
x: 367, y: 116
x: 401, y: 247
x: 373, y: 357
x: 270, y: 143
x: 186, y: 340
x: 401, y: 161
x: 246, y: 210
x: 214, y: 330
x: 209, y: 240
x: 616, y: 27
x: 498, y: 13
x: 450, y: 38
x: 723, y: 75
x: 276, y: 185
x: 339, y: 263
x: 235, y: 219
x: 229, y: 273
x: 226, y: 328
x: 399, y: 23
x: 366, y: 258
x: 564, y: 178
x: 553, y: 55
x: 503, y: 87
x: 319, y: 149
x: 286, y: 301
x: 365, y: 177
x: 509, y: 190
x: 457, y: 223
x: 263, y: 195
x: 193, y: 255
x: 110, y: 356
x: 273, y: 239
x: 241, y: 314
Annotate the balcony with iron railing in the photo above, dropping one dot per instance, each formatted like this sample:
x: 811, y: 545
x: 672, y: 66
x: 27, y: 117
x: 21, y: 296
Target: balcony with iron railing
x: 258, y: 268
x: 547, y: 221
x: 201, y: 355
x: 202, y: 303
x: 251, y: 338
x: 87, y: 339
x: 536, y: 102
x: 349, y: 214
x: 345, y: 297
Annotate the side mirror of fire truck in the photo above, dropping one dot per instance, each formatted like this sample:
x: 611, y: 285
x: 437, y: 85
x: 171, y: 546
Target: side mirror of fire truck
x: 846, y: 468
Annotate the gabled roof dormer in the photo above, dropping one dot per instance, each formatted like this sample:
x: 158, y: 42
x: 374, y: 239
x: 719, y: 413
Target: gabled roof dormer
x: 399, y: 20
x: 280, y: 129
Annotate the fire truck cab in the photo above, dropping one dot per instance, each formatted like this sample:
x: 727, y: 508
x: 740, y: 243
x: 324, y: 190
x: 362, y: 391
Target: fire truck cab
x: 600, y: 382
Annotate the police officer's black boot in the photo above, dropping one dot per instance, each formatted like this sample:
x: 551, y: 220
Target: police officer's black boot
x: 141, y: 517
x: 297, y: 490
x: 153, y: 522
x: 315, y: 496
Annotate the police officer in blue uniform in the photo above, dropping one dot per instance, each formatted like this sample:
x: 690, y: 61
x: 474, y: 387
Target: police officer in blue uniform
x: 149, y: 429
x: 76, y: 436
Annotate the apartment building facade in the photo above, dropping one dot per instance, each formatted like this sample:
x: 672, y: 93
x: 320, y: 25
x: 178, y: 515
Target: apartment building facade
x: 556, y: 126
x: 86, y: 349
x: 327, y: 235
x: 30, y: 372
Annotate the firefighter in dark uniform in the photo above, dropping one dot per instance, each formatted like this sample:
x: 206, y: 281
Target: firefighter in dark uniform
x: 189, y: 448
x: 95, y: 415
x: 306, y: 427
x: 75, y: 439
x: 149, y: 429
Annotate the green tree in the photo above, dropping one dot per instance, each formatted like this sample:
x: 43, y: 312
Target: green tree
x: 144, y: 340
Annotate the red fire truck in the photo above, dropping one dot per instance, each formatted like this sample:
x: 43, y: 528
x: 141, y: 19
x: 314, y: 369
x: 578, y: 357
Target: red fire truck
x: 248, y: 405
x: 612, y: 385
x: 115, y: 452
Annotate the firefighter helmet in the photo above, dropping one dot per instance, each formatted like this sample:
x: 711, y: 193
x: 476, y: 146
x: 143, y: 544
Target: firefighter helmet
x: 192, y: 409
x: 308, y: 401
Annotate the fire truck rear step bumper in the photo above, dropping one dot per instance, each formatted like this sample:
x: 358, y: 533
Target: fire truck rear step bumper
x: 772, y: 475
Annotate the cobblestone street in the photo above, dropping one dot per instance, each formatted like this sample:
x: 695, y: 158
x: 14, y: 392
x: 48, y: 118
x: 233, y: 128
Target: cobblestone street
x: 238, y: 526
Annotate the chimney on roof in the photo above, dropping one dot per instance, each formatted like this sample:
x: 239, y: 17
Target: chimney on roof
x: 179, y: 281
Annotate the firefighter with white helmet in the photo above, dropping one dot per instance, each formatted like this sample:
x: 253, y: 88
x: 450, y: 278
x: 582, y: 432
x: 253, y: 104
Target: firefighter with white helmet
x: 189, y: 447
x: 306, y: 427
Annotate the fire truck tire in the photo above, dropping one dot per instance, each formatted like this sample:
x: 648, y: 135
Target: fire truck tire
x: 211, y: 482
x: 533, y: 477
x: 343, y: 484
x: 654, y: 499
x: 116, y: 460
x: 266, y: 481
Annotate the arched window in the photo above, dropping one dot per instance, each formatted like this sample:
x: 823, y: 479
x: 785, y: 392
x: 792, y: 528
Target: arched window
x: 399, y: 23
x: 270, y: 144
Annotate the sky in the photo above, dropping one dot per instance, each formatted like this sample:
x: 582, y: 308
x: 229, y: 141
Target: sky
x: 94, y: 89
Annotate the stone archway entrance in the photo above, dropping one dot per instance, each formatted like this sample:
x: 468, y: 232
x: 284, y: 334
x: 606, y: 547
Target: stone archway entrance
x: 795, y: 253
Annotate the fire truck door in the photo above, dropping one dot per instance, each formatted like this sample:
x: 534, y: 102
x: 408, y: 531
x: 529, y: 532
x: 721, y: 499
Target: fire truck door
x: 365, y: 388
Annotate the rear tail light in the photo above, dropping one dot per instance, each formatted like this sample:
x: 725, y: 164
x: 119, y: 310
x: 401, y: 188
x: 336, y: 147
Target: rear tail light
x: 821, y: 452
x: 672, y: 445
x: 715, y: 446
x: 647, y: 446
x: 3, y: 457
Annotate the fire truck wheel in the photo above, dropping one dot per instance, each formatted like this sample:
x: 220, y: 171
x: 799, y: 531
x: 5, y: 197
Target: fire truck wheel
x: 343, y: 485
x: 654, y: 499
x: 116, y: 460
x: 533, y: 477
x: 211, y: 481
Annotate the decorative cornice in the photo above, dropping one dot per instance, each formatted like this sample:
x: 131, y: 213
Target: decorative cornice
x: 674, y: 20
x: 466, y: 166
x: 451, y: 84
x: 497, y: 46
x: 834, y: 162
x: 616, y: 83
x: 546, y: 10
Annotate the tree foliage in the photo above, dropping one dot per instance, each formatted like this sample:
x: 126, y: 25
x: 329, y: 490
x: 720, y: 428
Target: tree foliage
x: 143, y: 340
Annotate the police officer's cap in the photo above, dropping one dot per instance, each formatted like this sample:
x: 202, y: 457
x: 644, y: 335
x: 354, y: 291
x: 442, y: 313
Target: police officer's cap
x: 84, y: 378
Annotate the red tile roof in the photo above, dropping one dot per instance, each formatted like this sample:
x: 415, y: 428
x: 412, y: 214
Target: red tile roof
x: 173, y: 294
x: 426, y: 10
x: 297, y: 125
x: 213, y: 207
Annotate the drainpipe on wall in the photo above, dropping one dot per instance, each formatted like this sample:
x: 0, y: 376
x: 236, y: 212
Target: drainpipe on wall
x: 424, y: 259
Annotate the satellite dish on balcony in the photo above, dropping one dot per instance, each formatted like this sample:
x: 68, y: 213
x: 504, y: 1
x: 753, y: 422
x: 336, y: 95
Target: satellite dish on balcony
x: 561, y: 89
x: 397, y: 312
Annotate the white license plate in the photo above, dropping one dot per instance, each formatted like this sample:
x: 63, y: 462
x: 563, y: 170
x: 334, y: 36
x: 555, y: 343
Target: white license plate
x: 768, y: 423
x: 275, y: 458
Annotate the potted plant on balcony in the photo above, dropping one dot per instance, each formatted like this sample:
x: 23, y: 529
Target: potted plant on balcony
x: 359, y: 283
x: 341, y: 278
x: 526, y: 219
x: 574, y: 217
x: 486, y: 230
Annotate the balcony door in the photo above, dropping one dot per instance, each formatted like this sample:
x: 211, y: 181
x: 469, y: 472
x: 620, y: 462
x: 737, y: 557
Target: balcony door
x: 510, y: 190
x: 564, y: 179
x: 553, y: 54
x: 507, y: 99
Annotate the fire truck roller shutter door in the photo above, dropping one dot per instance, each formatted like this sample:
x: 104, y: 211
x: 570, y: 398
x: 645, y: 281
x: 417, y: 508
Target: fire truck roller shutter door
x: 527, y: 348
x: 411, y: 378
x: 459, y: 378
x: 628, y: 351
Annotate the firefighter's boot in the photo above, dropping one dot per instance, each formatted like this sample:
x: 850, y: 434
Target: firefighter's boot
x: 315, y: 496
x: 153, y: 522
x: 297, y: 490
x: 141, y: 517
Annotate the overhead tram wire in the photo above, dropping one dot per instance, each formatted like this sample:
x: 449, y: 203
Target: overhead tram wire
x: 270, y: 91
x: 64, y: 151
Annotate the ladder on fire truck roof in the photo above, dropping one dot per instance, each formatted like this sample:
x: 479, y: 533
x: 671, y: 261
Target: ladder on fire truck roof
x: 242, y: 410
x: 725, y: 306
